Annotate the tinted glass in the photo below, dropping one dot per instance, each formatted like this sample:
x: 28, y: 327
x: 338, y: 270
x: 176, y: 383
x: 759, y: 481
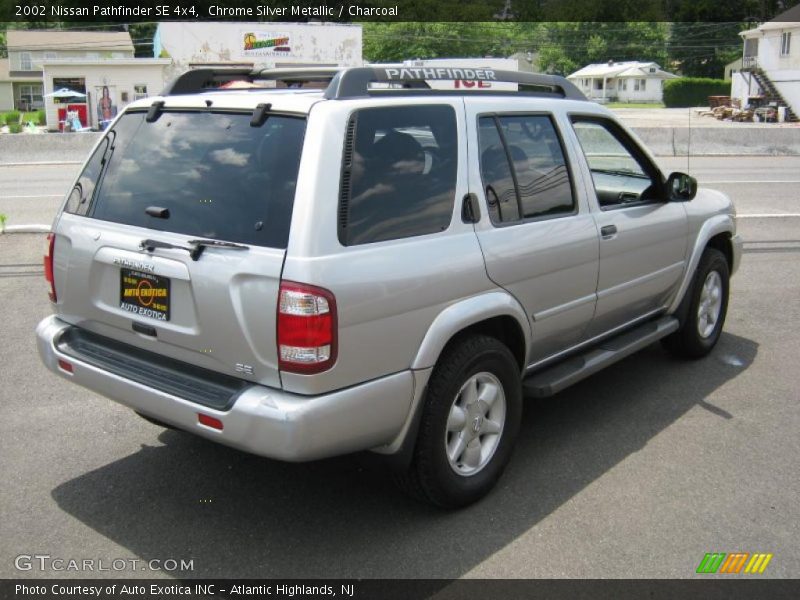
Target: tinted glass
x: 219, y: 177
x: 80, y: 198
x: 399, y: 173
x: 542, y: 179
x: 501, y: 194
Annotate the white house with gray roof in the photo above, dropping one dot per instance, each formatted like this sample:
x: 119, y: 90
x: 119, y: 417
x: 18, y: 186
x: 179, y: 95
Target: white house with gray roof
x: 627, y: 81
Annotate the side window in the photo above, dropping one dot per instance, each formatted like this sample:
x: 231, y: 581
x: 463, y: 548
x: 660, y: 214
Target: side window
x: 80, y: 199
x: 398, y: 173
x: 523, y: 168
x: 621, y: 177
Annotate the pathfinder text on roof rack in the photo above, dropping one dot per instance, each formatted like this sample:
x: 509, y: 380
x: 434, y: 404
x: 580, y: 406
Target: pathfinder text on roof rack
x: 440, y: 73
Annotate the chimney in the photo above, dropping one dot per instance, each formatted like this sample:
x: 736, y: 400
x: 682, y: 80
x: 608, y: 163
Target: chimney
x: 611, y: 63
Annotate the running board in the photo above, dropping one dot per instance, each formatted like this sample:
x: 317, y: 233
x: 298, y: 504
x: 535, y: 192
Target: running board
x: 562, y: 375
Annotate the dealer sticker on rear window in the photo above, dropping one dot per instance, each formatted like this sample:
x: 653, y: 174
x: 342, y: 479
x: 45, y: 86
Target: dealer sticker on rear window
x: 144, y: 294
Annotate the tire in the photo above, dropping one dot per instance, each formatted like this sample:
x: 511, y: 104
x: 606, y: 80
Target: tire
x: 702, y: 312
x: 447, y: 468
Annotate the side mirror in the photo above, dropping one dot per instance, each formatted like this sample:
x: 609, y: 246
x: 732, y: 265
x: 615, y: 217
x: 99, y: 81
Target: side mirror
x: 681, y: 187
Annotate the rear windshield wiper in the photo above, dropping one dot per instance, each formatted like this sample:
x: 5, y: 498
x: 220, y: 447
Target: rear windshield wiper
x: 200, y: 245
x: 196, y: 249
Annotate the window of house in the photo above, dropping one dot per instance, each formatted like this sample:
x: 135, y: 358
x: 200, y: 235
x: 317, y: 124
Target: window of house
x: 623, y: 85
x: 50, y: 55
x: 786, y: 40
x: 523, y: 169
x: 639, y: 85
x: 25, y: 61
x: 76, y: 84
x: 398, y: 173
x: 139, y: 91
x: 30, y: 96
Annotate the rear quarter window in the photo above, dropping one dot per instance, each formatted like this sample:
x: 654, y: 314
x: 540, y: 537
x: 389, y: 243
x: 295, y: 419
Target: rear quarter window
x: 398, y: 173
x: 218, y: 177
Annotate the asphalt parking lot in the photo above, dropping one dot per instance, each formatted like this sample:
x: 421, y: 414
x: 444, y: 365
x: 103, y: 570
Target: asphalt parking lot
x: 636, y: 472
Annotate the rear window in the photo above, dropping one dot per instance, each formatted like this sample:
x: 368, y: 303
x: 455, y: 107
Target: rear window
x: 218, y: 176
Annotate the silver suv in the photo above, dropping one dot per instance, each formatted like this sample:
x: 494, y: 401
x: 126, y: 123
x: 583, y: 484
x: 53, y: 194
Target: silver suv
x: 369, y: 263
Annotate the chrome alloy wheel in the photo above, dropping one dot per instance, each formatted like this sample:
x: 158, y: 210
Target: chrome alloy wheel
x: 475, y: 424
x: 710, y: 305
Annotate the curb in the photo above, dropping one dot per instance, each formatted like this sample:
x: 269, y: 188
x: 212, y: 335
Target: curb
x: 33, y: 228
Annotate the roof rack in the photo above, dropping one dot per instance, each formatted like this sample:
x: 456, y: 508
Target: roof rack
x: 206, y: 79
x: 355, y: 82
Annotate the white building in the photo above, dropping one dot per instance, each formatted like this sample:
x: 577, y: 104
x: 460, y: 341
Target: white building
x: 98, y: 66
x: 628, y: 81
x: 109, y: 86
x: 257, y: 44
x: 21, y: 83
x: 771, y: 50
x: 732, y: 68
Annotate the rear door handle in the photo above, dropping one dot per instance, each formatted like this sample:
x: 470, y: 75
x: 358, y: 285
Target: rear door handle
x: 608, y: 231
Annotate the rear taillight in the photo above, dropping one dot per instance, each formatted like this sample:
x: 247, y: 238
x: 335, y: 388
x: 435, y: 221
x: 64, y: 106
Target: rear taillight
x: 306, y: 328
x: 48, y: 265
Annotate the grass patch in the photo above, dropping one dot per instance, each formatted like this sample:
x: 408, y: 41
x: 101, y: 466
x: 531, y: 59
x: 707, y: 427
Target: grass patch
x: 3, y: 220
x: 634, y: 105
x: 37, y: 116
x: 11, y: 117
x: 17, y: 120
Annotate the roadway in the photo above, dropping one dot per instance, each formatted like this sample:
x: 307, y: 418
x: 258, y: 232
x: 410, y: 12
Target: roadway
x: 636, y: 472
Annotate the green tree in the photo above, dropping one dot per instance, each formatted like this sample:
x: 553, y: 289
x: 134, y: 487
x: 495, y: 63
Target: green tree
x: 567, y: 47
x: 704, y: 36
x: 385, y: 42
x: 703, y: 49
x: 142, y: 37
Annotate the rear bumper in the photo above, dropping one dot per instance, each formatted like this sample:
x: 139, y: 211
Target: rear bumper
x: 262, y: 420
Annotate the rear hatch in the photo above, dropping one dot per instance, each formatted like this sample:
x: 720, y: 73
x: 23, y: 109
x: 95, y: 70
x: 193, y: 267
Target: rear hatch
x: 173, y: 238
